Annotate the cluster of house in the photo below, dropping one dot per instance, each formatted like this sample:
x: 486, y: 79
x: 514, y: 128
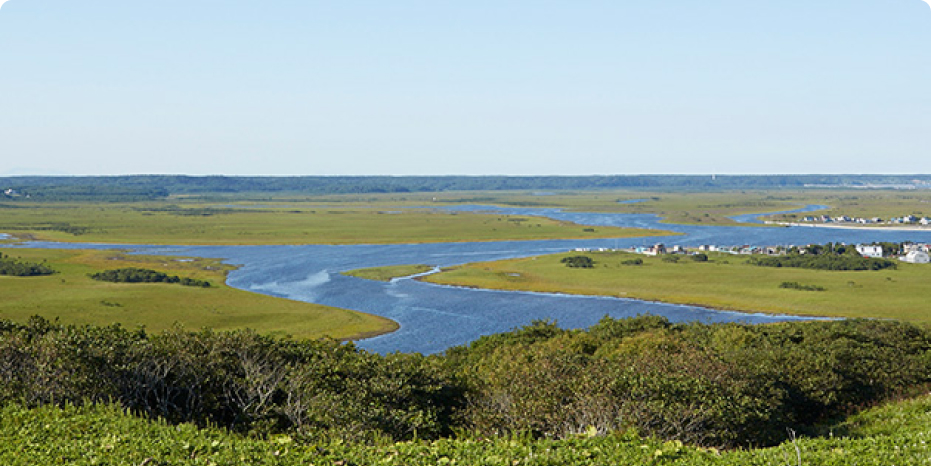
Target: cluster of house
x: 916, y: 253
x: 662, y: 249
x: 11, y: 192
x: 906, y: 220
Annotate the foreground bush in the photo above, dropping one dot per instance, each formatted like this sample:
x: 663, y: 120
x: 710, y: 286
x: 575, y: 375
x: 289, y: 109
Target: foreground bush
x: 714, y: 385
x: 708, y: 385
x: 238, y: 380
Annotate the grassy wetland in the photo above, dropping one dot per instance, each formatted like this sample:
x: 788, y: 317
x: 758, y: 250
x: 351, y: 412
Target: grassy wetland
x: 632, y: 391
x: 725, y: 281
x: 716, y: 207
x: 350, y: 222
x: 412, y: 217
x: 72, y: 297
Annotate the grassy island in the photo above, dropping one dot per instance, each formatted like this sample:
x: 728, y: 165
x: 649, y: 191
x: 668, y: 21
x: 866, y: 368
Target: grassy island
x: 73, y: 297
x: 388, y: 273
x: 724, y: 281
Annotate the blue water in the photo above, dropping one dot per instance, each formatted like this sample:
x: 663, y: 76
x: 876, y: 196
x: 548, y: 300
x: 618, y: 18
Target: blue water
x: 433, y: 317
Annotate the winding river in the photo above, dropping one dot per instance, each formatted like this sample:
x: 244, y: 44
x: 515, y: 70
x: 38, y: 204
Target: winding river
x: 434, y: 317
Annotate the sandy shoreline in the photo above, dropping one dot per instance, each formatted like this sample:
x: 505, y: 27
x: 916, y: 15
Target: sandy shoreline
x: 854, y: 227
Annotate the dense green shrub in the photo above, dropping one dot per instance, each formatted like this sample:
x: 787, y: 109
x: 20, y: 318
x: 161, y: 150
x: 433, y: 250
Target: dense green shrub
x: 823, y: 262
x: 137, y: 275
x: 239, y: 380
x: 578, y: 261
x: 713, y: 385
x: 18, y: 268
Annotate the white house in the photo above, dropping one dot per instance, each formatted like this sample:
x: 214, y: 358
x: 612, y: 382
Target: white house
x: 867, y: 250
x: 917, y: 257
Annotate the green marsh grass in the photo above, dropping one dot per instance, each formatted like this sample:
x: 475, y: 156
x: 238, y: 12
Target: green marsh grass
x: 724, y: 282
x: 71, y: 296
x: 205, y: 224
x: 386, y: 274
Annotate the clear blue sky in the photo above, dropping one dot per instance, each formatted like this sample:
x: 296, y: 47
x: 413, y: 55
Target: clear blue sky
x: 475, y: 87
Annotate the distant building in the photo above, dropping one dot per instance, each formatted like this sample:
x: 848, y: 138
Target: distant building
x: 867, y: 250
x: 909, y: 247
x: 656, y: 250
x: 917, y: 257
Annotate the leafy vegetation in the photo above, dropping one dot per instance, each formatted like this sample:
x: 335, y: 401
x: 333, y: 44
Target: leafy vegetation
x: 719, y: 385
x: 584, y: 262
x: 19, y: 268
x: 896, y: 433
x: 239, y: 380
x: 138, y: 275
x: 823, y: 262
x: 893, y: 434
x: 706, y: 385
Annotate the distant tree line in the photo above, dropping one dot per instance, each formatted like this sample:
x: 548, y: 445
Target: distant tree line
x: 138, y: 275
x: 722, y: 385
x: 147, y: 187
x: 19, y: 268
x: 101, y: 192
